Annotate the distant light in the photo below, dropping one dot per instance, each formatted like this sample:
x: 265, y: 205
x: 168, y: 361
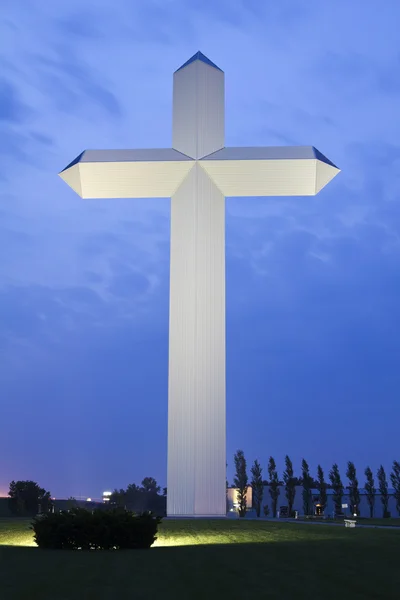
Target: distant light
x: 355, y: 514
x: 88, y: 499
x: 107, y: 493
x: 106, y: 499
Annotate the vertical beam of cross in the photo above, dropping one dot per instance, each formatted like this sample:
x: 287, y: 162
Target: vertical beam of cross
x: 196, y: 394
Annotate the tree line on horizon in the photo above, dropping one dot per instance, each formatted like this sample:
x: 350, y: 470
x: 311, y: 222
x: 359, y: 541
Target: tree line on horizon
x: 142, y: 498
x: 308, y: 483
x: 27, y: 498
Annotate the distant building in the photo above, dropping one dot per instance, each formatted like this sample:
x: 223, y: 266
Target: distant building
x: 232, y: 498
x: 363, y: 507
x: 317, y: 509
x: 106, y: 497
x: 4, y: 507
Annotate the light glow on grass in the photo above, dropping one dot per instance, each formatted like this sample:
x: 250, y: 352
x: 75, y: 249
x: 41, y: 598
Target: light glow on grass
x: 194, y: 532
x: 16, y: 532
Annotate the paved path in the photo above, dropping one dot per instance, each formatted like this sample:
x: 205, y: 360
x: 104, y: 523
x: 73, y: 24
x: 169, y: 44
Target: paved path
x: 248, y: 517
x: 327, y: 523
x: 330, y: 524
x: 312, y: 522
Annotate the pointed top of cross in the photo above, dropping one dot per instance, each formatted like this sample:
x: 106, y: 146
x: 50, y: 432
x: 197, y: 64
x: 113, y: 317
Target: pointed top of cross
x: 199, y: 56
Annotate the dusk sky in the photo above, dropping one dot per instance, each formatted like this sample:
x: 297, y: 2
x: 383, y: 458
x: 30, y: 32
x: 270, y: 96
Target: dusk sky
x: 313, y: 283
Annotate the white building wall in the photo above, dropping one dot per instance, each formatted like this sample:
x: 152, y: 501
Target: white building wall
x: 232, y: 497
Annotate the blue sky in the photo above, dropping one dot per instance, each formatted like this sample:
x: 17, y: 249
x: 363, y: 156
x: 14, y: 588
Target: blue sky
x: 313, y: 284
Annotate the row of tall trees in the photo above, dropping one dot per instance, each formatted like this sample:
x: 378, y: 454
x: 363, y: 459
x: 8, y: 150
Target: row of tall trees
x: 290, y: 482
x: 369, y: 486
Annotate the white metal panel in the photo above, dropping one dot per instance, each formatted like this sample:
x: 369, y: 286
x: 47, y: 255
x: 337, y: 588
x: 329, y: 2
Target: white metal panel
x: 72, y: 177
x: 263, y: 177
x: 198, y: 109
x: 128, y: 179
x: 262, y: 153
x: 196, y: 401
x: 133, y: 155
x: 325, y: 174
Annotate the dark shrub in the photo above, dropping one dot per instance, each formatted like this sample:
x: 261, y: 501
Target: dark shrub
x: 53, y: 531
x: 81, y: 529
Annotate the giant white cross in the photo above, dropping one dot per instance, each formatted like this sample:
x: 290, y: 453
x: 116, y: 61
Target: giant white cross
x: 197, y: 173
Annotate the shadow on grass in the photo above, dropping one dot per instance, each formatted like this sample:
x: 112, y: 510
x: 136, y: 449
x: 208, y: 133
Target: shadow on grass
x: 358, y: 567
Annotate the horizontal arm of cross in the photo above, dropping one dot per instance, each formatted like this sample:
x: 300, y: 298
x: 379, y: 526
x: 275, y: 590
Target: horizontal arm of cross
x: 269, y: 171
x: 157, y: 173
x: 147, y: 173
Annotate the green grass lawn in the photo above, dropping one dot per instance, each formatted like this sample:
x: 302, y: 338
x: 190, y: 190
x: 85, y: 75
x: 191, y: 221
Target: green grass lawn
x: 210, y: 559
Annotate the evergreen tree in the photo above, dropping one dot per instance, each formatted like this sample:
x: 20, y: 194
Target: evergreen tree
x: 273, y: 485
x: 290, y: 482
x: 321, y: 484
x: 338, y: 488
x: 354, y: 492
x: 257, y: 486
x: 395, y: 479
x: 226, y: 489
x: 241, y: 482
x: 383, y: 490
x: 371, y: 490
x: 307, y: 487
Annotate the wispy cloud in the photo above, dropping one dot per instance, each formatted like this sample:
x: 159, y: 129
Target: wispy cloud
x: 12, y: 110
